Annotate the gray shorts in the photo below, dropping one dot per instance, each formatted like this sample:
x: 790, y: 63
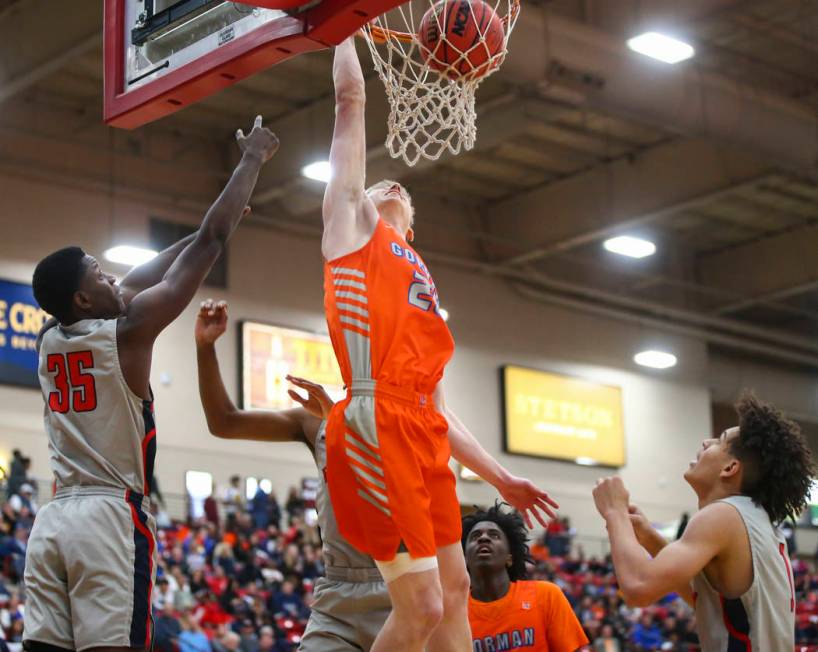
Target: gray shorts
x: 90, y: 569
x: 346, y: 616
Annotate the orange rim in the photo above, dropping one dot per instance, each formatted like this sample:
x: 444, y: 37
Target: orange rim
x: 383, y: 34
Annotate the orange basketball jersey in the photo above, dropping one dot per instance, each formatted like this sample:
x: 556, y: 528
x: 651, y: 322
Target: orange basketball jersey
x: 384, y: 317
x: 531, y: 616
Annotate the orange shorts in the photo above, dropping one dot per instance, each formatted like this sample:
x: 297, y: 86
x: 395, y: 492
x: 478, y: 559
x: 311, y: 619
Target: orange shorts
x: 388, y: 473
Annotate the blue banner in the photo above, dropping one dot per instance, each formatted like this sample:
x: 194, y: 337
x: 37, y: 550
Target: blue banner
x: 20, y: 322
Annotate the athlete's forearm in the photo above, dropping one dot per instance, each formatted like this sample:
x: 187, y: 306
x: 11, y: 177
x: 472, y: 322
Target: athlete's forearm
x: 347, y: 75
x: 150, y: 273
x: 217, y: 405
x: 629, y: 559
x: 468, y: 451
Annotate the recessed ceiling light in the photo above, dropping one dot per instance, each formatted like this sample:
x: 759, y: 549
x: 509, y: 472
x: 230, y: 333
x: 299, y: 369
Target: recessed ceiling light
x: 626, y: 245
x: 318, y: 171
x: 662, y: 47
x: 444, y: 314
x: 128, y: 255
x: 585, y: 461
x: 655, y: 359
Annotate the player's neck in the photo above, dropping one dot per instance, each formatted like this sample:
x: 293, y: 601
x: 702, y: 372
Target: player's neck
x: 488, y: 585
x: 716, y: 493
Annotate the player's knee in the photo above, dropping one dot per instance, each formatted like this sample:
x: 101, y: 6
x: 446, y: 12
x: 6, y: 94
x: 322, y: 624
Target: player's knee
x: 423, y: 610
x: 456, y: 594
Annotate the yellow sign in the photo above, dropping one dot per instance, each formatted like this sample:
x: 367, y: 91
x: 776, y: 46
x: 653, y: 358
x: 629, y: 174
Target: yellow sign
x: 555, y: 416
x: 270, y: 353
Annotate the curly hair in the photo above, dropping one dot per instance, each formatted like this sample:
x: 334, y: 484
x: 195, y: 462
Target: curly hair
x: 513, y: 526
x: 777, y: 463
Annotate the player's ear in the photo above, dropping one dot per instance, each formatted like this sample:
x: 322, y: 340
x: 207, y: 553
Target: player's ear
x: 82, y: 301
x: 509, y: 561
x: 410, y: 235
x: 731, y: 469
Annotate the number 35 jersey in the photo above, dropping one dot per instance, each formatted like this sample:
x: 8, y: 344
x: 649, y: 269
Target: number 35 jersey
x: 384, y: 316
x: 99, y: 432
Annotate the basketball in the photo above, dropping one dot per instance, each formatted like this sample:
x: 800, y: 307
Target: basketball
x: 461, y: 37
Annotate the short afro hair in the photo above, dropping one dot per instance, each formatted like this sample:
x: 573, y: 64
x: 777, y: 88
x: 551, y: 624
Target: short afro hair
x: 777, y: 463
x: 56, y: 279
x: 513, y: 526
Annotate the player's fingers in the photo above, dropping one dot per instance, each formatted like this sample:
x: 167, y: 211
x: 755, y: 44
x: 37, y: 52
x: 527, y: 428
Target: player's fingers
x: 297, y: 397
x: 544, y: 506
x: 257, y: 123
x: 527, y: 520
x: 302, y: 382
x: 545, y: 497
x: 542, y: 521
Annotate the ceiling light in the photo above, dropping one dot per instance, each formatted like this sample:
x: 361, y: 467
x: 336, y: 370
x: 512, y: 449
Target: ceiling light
x: 128, y: 255
x: 625, y: 245
x: 586, y: 461
x: 443, y: 313
x: 655, y: 359
x: 318, y: 171
x: 662, y: 47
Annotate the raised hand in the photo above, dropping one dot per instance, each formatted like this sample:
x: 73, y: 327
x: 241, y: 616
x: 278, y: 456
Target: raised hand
x: 317, y: 403
x: 524, y: 496
x: 610, y: 495
x: 261, y: 142
x: 211, y: 322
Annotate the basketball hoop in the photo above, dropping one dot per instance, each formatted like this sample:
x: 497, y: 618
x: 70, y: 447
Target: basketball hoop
x: 431, y: 89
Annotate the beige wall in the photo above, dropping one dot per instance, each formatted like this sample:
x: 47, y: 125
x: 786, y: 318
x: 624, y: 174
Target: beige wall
x: 277, y: 278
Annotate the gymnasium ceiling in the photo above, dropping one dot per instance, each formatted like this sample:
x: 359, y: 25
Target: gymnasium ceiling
x: 579, y: 139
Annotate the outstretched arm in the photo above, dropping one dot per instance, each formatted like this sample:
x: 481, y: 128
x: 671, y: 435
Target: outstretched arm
x: 148, y: 274
x: 349, y: 216
x: 520, y: 493
x: 154, y: 308
x: 643, y: 579
x: 223, y: 418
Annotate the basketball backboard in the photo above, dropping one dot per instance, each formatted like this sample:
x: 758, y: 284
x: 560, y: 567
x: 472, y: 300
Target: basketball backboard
x: 163, y: 55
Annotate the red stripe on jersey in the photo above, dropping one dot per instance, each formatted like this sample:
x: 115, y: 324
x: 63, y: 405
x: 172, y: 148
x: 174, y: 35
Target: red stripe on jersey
x: 147, y: 534
x: 783, y: 552
x: 147, y: 440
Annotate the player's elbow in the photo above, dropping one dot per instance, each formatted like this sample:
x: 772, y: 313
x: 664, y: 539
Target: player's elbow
x: 221, y: 425
x: 637, y: 593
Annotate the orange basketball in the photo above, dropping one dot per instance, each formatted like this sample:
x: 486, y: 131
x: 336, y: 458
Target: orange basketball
x: 461, y: 37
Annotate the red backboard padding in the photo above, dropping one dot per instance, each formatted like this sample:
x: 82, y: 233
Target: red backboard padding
x: 323, y: 26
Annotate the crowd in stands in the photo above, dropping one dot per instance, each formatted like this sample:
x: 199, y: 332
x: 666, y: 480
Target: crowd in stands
x: 240, y: 578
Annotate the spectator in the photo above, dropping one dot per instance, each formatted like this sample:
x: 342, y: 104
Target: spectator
x: 249, y: 641
x: 192, y: 638
x: 166, y: 629
x: 646, y: 635
x: 232, y: 502
x: 163, y: 594
x: 606, y: 641
x: 295, y: 504
x: 24, y: 498
x: 211, y: 509
x: 260, y: 509
x: 275, y: 510
x: 17, y: 472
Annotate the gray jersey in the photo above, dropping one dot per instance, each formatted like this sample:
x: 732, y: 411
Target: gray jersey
x: 99, y: 432
x: 338, y: 554
x: 764, y: 617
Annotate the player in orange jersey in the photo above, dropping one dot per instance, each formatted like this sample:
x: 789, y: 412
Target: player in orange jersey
x: 506, y: 611
x: 389, y: 441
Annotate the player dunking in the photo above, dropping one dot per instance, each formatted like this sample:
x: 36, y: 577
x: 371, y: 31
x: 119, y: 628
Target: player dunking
x: 352, y: 602
x: 388, y: 442
x: 731, y: 563
x: 91, y: 561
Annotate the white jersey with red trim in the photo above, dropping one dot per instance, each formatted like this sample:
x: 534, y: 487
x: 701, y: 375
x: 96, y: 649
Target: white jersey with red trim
x: 99, y: 432
x: 763, y: 619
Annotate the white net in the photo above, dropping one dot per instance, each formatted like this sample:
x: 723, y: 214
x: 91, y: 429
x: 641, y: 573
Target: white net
x: 431, y: 70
